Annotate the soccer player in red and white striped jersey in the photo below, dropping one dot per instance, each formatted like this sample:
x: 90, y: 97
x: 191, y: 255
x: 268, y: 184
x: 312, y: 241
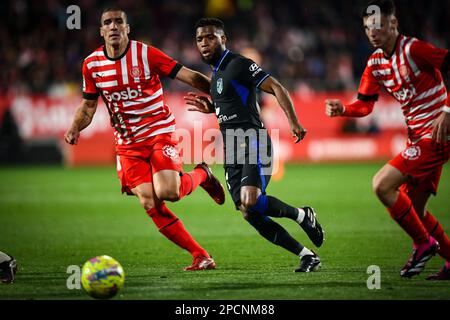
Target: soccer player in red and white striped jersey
x: 126, y: 74
x: 411, y: 71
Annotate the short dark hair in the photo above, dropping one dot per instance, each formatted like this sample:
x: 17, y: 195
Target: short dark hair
x: 113, y: 9
x: 205, y: 22
x: 387, y: 7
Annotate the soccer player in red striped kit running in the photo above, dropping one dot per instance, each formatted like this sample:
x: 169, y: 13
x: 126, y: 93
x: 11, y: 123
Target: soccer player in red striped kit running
x: 126, y: 74
x: 410, y: 70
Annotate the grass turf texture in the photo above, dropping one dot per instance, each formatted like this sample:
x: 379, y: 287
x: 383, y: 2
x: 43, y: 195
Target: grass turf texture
x: 51, y: 218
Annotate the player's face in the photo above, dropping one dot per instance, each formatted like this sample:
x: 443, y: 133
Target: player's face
x: 114, y: 28
x: 210, y: 43
x: 380, y: 29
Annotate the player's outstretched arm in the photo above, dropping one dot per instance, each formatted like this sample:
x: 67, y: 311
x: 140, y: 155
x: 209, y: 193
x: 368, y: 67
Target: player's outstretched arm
x: 195, y: 79
x: 368, y: 93
x: 360, y: 108
x: 198, y: 103
x: 272, y: 86
x: 83, y: 117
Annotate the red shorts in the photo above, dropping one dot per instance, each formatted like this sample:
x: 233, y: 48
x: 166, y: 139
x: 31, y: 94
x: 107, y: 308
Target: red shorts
x: 422, y: 163
x: 137, y: 163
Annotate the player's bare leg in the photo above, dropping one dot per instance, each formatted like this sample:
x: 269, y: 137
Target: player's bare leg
x: 171, y: 227
x: 274, y: 232
x: 386, y: 185
x: 172, y: 185
x: 146, y: 195
x: 167, y: 185
x: 249, y: 196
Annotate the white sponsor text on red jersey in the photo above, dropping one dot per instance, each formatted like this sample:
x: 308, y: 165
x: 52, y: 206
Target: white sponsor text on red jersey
x: 132, y: 91
x: 412, y: 76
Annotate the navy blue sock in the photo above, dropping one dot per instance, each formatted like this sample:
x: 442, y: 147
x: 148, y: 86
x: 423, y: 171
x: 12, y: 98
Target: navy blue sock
x: 273, y: 207
x: 273, y: 232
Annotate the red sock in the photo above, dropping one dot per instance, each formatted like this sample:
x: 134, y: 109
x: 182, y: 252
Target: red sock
x: 161, y: 218
x: 191, y: 180
x: 403, y: 212
x: 173, y: 229
x: 435, y: 229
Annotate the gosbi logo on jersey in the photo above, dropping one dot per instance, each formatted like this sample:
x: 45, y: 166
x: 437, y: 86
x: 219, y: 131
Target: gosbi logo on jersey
x: 412, y: 153
x: 404, y: 94
x: 136, y: 72
x: 127, y: 94
x: 170, y: 152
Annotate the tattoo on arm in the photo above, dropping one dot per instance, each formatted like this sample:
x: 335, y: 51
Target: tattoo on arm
x: 84, y: 114
x: 86, y: 120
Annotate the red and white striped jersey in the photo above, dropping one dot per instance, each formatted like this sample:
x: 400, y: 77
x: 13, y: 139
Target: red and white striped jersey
x: 132, y: 90
x: 412, y: 76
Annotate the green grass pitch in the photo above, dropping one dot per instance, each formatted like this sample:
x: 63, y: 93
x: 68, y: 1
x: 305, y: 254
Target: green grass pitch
x: 51, y: 218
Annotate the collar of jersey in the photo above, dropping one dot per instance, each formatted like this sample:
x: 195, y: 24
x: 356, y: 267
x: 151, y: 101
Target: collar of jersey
x: 224, y: 54
x: 119, y: 57
x: 397, y: 41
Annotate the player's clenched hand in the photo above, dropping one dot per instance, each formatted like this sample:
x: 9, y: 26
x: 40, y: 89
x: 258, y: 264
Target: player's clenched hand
x: 298, y: 132
x: 334, y: 107
x: 71, y: 136
x: 199, y: 103
x: 441, y: 128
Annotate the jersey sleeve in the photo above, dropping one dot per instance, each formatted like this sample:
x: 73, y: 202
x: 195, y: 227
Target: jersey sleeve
x: 368, y: 92
x: 249, y: 72
x: 162, y: 64
x: 89, y: 89
x: 369, y: 88
x: 427, y: 55
x: 358, y: 109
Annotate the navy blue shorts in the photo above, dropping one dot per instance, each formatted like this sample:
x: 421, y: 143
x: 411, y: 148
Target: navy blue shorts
x: 250, y: 164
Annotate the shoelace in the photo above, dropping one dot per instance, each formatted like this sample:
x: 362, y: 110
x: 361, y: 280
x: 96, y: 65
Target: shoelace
x: 312, y: 218
x: 411, y: 259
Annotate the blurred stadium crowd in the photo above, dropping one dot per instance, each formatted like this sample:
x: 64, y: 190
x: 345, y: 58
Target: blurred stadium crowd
x: 309, y: 45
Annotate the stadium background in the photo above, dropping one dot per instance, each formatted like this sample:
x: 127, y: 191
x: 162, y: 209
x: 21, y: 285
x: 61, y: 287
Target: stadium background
x: 317, y: 49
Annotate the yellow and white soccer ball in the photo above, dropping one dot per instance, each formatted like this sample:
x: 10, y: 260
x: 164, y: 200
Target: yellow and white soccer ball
x: 102, y: 277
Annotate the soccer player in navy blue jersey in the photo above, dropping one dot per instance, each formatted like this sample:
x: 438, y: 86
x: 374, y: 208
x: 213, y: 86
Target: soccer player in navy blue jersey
x: 247, y: 144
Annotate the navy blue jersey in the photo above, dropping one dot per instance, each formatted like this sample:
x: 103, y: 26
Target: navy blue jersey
x: 233, y: 91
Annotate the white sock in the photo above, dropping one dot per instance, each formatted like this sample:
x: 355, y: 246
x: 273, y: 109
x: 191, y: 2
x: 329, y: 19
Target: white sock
x: 305, y: 252
x: 301, y: 215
